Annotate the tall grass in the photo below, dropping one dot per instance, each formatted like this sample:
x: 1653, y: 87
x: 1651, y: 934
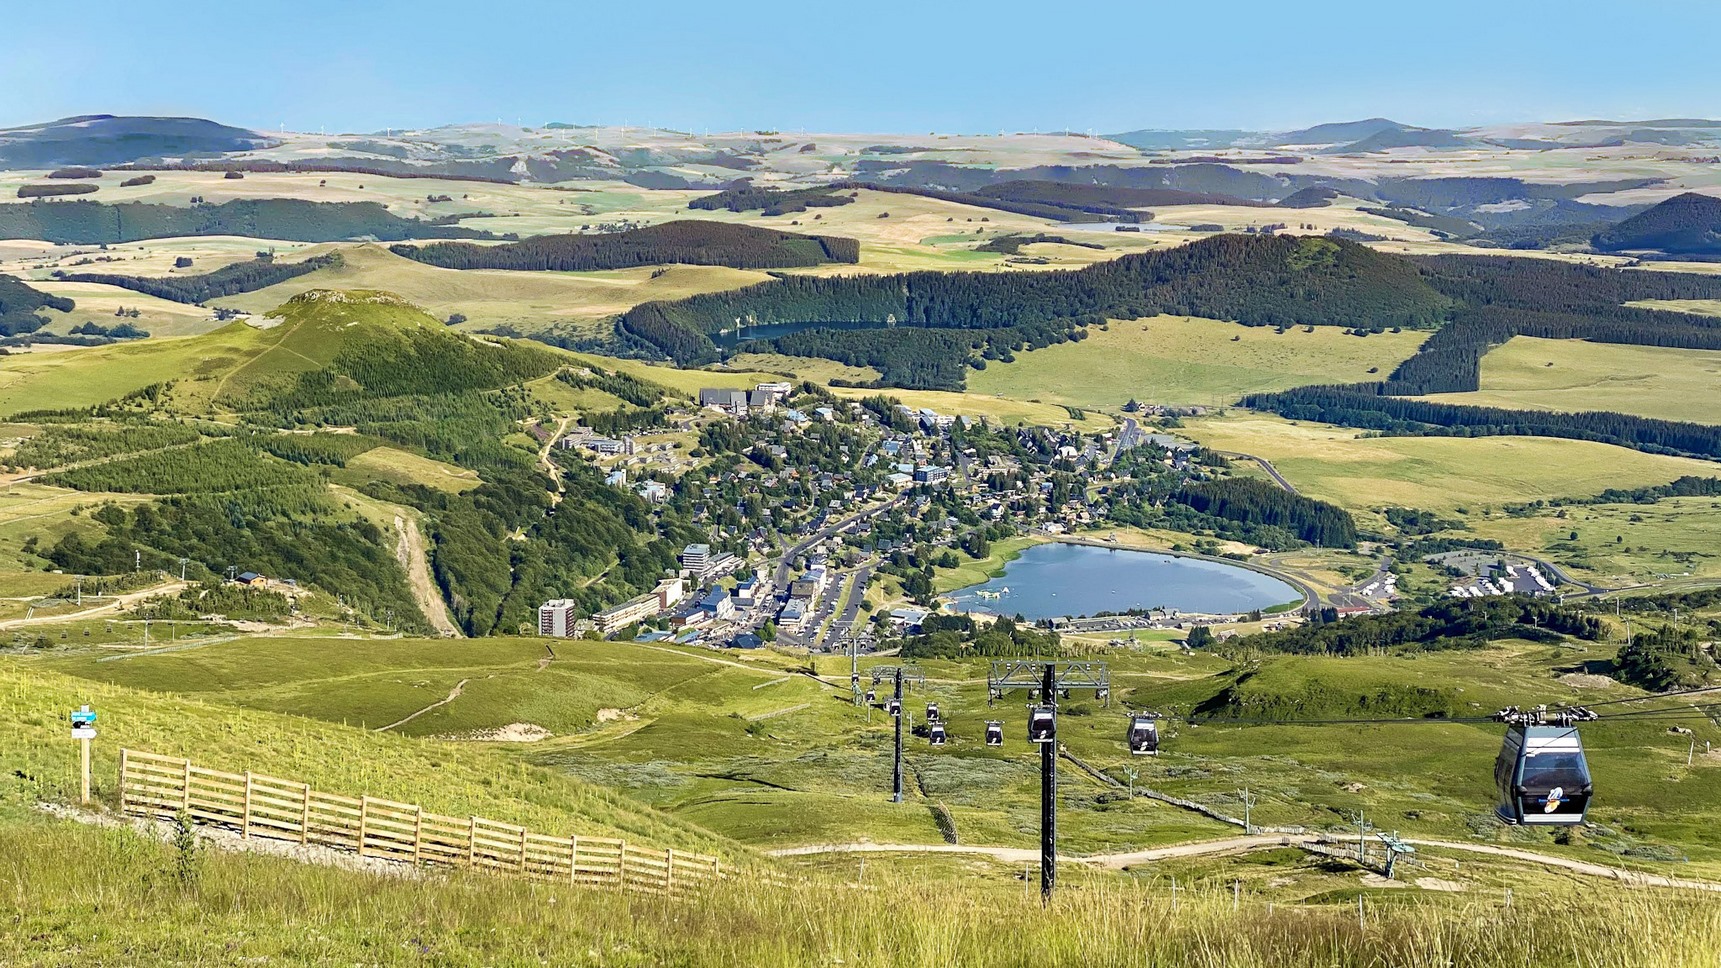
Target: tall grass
x: 83, y: 896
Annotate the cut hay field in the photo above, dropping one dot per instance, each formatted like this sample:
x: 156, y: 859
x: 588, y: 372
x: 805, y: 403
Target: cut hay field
x: 1527, y: 373
x: 1436, y: 473
x: 529, y: 301
x: 1180, y: 360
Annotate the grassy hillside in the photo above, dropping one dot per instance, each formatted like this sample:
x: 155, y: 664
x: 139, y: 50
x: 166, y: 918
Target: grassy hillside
x: 1182, y: 360
x: 1527, y: 373
x: 528, y: 301
x: 445, y: 778
x: 1435, y: 473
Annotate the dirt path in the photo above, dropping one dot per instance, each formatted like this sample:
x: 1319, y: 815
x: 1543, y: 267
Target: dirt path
x: 410, y: 552
x: 1019, y: 855
x: 453, y: 694
x: 112, y: 605
x: 549, y: 465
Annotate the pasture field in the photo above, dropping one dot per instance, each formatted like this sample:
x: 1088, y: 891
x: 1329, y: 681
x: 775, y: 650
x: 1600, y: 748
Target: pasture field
x: 528, y: 301
x: 1527, y: 373
x: 996, y: 409
x: 1434, y: 473
x: 744, y: 746
x: 803, y: 367
x: 96, y: 303
x: 1619, y: 544
x: 34, y: 260
x: 88, y: 376
x: 457, y: 779
x: 29, y: 510
x: 684, y: 381
x: 1180, y: 360
x: 403, y: 467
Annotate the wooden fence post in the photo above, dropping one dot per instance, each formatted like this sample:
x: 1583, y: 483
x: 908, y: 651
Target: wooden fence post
x: 669, y: 870
x: 185, y: 794
x: 417, y: 833
x: 123, y: 764
x: 472, y: 843
x: 364, y: 818
x: 305, y: 816
x: 522, y: 850
x: 574, y: 859
x: 245, y: 821
x: 621, y: 865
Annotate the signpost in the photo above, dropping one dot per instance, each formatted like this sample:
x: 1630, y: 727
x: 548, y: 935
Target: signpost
x: 84, y: 730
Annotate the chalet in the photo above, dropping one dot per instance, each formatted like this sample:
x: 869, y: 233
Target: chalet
x: 729, y: 401
x: 251, y: 578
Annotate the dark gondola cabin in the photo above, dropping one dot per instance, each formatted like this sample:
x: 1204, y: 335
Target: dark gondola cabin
x: 936, y: 734
x: 994, y: 734
x: 1542, y: 775
x: 932, y: 712
x: 893, y: 706
x: 1042, y: 725
x: 871, y: 696
x: 1143, y: 735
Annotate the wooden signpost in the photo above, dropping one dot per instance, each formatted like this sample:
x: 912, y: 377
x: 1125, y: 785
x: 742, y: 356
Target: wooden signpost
x: 84, y: 730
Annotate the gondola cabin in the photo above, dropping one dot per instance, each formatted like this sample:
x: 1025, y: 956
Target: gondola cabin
x: 871, y: 696
x: 1542, y: 776
x: 932, y: 712
x: 893, y: 706
x: 935, y: 734
x: 1143, y: 736
x: 1042, y: 724
x: 994, y: 734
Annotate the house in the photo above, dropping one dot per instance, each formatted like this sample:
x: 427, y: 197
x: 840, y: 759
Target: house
x: 762, y: 401
x: 616, y: 478
x: 556, y: 618
x: 654, y: 492
x: 825, y: 413
x: 793, y: 615
x: 746, y: 640
x: 251, y: 578
x: 931, y: 475
x: 908, y: 620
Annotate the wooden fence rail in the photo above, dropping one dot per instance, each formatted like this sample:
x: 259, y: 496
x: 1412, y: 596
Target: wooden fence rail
x: 264, y: 806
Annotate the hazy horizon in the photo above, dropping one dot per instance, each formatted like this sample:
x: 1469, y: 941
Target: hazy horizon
x: 896, y: 67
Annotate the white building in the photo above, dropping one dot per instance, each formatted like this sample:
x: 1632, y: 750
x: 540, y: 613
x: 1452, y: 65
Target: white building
x: 556, y: 619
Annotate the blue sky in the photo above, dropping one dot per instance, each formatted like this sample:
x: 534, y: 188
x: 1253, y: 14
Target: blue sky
x: 882, y: 65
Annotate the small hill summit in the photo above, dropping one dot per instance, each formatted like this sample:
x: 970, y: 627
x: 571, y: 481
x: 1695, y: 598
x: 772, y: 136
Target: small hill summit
x: 1687, y: 224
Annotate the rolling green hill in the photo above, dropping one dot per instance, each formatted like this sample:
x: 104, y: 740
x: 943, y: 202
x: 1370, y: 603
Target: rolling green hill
x: 1687, y: 224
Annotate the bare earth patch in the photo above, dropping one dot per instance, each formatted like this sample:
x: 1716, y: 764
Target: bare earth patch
x: 1587, y: 680
x: 511, y: 733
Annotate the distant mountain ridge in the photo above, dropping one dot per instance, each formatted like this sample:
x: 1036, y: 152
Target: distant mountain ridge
x: 105, y: 139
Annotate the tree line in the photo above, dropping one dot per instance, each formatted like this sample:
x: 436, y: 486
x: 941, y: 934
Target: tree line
x: 228, y: 280
x: 690, y: 242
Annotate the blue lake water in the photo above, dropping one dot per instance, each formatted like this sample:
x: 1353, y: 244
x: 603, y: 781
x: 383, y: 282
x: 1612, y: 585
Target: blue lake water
x: 1054, y: 580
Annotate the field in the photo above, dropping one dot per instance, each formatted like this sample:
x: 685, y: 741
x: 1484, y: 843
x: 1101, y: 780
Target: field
x: 804, y: 367
x: 29, y: 510
x: 96, y: 303
x: 403, y: 467
x: 1435, y: 473
x: 994, y: 408
x: 529, y: 301
x: 84, y: 377
x: 1619, y: 544
x: 1178, y: 360
x: 1575, y: 375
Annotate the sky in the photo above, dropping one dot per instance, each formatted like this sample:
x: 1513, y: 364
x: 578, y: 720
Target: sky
x: 878, y: 66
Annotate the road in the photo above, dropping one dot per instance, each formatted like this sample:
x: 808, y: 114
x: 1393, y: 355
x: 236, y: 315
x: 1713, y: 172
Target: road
x: 111, y: 605
x: 1265, y: 465
x: 1121, y: 861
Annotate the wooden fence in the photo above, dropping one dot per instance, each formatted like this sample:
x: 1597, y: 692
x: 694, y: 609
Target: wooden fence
x: 264, y: 806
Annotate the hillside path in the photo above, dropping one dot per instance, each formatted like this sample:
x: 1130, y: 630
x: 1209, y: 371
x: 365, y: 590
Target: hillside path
x: 1020, y: 855
x: 453, y: 694
x: 409, y: 550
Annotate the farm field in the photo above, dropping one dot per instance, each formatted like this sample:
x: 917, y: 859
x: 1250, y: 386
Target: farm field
x: 88, y: 376
x: 1180, y: 361
x: 571, y: 302
x: 1434, y: 473
x: 1527, y: 373
x: 97, y: 303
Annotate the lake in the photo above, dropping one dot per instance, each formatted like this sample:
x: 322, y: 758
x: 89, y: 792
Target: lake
x: 1055, y: 580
